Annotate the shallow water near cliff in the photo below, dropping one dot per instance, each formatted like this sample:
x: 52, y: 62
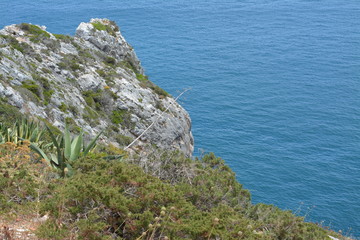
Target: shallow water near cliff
x: 275, y: 87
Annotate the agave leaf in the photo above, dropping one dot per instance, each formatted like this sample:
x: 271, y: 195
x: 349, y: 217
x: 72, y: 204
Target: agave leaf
x: 76, y: 147
x: 8, y: 135
x: 41, y: 133
x: 40, y: 152
x: 54, y: 159
x: 56, y: 144
x: 91, y: 144
x: 67, y: 141
x: 34, y: 135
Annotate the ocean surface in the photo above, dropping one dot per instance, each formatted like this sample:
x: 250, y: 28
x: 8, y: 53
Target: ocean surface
x: 275, y: 87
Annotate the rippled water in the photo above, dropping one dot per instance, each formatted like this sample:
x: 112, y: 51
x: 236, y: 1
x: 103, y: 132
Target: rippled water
x: 275, y: 87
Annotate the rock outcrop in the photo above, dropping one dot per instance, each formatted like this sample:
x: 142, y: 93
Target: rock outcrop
x: 92, y: 81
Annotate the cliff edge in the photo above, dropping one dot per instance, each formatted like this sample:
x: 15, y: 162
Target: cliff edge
x: 92, y: 81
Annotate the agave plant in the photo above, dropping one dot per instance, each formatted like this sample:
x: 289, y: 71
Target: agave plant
x: 67, y: 150
x: 22, y: 130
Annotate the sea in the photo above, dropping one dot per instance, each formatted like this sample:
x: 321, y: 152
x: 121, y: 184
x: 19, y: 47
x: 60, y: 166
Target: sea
x: 274, y: 87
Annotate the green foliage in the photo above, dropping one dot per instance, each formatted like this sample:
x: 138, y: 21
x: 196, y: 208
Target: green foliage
x: 118, y: 200
x: 63, y: 107
x: 71, y: 62
x: 46, y: 70
x: 8, y: 113
x: 101, y: 73
x: 123, y: 140
x: 15, y: 44
x: 160, y: 106
x: 146, y: 83
x: 72, y: 125
x: 108, y: 75
x: 62, y: 37
x: 46, y: 87
x: 102, y: 27
x: 99, y: 100
x: 67, y: 149
x: 142, y: 78
x: 111, y: 199
x: 85, y: 54
x: 21, y: 177
x: 36, y: 32
x: 90, y: 114
x: 33, y: 87
x: 129, y: 65
x: 42, y: 91
x: 20, y: 131
x: 73, y: 109
x: 110, y: 61
x: 93, y: 99
x: 214, y: 183
x: 122, y: 117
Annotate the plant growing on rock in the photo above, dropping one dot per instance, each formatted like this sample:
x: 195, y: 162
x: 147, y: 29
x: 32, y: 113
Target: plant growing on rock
x: 35, y: 32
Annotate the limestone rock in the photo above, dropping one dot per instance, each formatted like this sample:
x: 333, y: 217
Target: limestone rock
x: 93, y: 81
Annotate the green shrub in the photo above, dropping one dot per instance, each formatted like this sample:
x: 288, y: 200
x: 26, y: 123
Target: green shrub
x: 21, y: 177
x: 93, y: 99
x: 8, y: 113
x: 33, y: 87
x: 46, y: 70
x: 102, y: 27
x: 128, y: 65
x: 110, y: 61
x: 34, y: 30
x: 115, y: 199
x: 160, y: 106
x: 123, y: 140
x: 71, y: 62
x: 43, y: 91
x: 122, y: 117
x: 108, y: 75
x: 36, y: 33
x: 15, y: 44
x: 146, y: 83
x: 63, y: 107
x: 73, y: 109
x: 73, y: 127
x: 62, y: 37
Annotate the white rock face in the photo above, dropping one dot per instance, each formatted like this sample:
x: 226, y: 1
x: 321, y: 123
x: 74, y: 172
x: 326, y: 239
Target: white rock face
x: 93, y: 80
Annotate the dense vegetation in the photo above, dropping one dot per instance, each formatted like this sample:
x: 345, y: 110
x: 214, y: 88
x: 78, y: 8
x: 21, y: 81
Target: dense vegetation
x: 162, y: 195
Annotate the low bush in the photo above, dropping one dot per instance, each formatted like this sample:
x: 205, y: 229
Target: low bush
x: 36, y: 33
x: 122, y: 117
x: 33, y: 87
x: 15, y: 44
x: 146, y: 83
x: 162, y: 195
x: 22, y: 177
x: 104, y: 27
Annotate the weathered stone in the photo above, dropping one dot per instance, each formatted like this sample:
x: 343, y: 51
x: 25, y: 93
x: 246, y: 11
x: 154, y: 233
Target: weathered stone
x: 91, y: 80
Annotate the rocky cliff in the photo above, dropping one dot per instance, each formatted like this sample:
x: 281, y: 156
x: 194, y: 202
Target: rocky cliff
x: 92, y: 81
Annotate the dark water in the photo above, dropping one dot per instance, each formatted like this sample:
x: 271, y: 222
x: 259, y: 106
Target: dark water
x: 275, y: 87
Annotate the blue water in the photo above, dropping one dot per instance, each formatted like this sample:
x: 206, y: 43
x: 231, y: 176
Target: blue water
x: 275, y: 87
